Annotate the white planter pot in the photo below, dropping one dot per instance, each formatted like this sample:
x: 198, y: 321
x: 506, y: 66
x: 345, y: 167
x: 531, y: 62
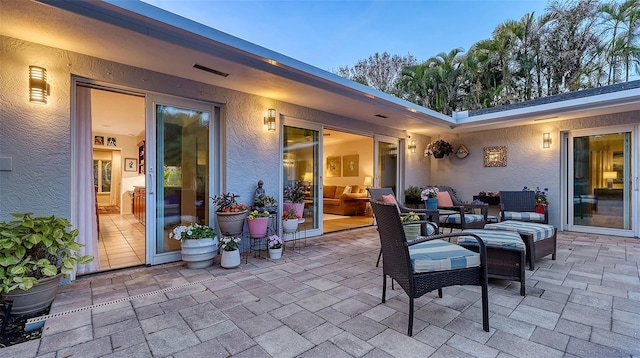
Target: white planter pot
x: 289, y: 226
x: 230, y: 259
x: 275, y: 254
x: 199, y: 253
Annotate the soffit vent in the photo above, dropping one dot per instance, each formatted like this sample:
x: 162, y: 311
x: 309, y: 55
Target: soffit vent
x: 210, y: 70
x: 381, y: 116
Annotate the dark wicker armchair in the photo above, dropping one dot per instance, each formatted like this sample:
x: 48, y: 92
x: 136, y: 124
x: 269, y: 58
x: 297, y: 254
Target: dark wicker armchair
x: 413, y: 265
x: 465, y: 217
x: 521, y: 206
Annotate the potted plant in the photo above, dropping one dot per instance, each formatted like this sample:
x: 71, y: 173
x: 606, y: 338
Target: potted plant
x: 294, y: 198
x: 438, y: 149
x: 541, y: 198
x: 36, y: 253
x: 257, y: 222
x: 198, y: 244
x: 488, y: 197
x: 412, y: 195
x: 230, y: 214
x: 267, y: 202
x: 290, y: 220
x: 230, y: 252
x: 274, y: 243
x: 411, y: 231
x: 430, y: 196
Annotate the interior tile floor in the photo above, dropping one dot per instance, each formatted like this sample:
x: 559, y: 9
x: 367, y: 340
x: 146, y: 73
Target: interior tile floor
x: 324, y: 301
x: 121, y: 241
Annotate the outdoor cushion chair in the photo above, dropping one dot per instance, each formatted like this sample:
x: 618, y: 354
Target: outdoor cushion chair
x: 467, y: 216
x: 428, y: 263
x: 521, y: 206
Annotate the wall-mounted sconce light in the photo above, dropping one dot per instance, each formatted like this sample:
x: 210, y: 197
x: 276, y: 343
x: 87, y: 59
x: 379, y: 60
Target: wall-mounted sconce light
x: 368, y: 181
x: 38, y: 86
x: 270, y: 119
x: 412, y: 146
x: 546, y: 140
x: 609, y: 176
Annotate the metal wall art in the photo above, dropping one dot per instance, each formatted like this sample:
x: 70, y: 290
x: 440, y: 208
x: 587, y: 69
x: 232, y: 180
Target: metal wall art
x: 495, y: 156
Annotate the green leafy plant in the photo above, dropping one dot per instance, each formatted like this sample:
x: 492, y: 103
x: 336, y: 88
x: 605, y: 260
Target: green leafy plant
x: 294, y: 193
x: 266, y: 201
x: 258, y: 214
x: 410, y: 217
x: 289, y: 215
x: 226, y: 202
x: 412, y: 194
x: 33, y: 248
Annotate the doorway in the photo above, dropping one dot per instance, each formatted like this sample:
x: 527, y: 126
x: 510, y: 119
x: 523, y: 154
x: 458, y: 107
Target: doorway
x: 599, y: 180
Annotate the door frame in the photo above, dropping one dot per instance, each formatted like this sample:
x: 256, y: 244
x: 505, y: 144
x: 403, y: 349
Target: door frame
x: 567, y: 207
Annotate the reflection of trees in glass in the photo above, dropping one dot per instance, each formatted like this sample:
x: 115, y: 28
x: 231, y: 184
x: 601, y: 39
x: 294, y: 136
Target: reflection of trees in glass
x: 95, y: 173
x: 106, y: 176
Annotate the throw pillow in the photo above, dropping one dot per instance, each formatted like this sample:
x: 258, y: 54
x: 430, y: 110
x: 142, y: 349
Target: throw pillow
x: 389, y: 198
x: 355, y: 189
x: 444, y: 199
x: 339, y: 191
x: 347, y: 190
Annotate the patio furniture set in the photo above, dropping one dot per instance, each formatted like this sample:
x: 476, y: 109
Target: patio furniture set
x: 482, y: 250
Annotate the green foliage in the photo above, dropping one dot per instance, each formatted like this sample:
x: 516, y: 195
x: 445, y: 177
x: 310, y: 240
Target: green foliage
x: 35, y: 248
x: 413, y: 192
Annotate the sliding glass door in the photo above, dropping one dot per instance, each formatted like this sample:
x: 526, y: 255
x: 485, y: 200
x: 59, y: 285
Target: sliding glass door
x: 600, y: 181
x: 386, y: 152
x: 179, y: 172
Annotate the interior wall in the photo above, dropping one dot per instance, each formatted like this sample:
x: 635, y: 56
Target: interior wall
x: 363, y: 148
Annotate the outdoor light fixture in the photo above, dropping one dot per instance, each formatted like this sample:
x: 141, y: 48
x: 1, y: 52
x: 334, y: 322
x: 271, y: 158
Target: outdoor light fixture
x: 38, y: 86
x: 270, y: 119
x: 412, y: 146
x: 546, y: 140
x: 609, y: 176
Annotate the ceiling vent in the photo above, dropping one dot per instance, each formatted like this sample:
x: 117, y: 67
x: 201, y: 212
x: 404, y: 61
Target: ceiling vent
x: 210, y: 70
x: 381, y: 116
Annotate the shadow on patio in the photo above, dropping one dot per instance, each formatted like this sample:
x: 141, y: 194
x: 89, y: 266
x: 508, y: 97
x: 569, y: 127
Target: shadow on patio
x: 325, y: 301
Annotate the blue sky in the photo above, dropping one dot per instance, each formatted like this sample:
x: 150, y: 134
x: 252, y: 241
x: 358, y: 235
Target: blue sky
x: 329, y: 34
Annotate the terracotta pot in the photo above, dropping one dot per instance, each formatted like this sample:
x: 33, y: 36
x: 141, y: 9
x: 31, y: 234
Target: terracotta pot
x: 231, y: 224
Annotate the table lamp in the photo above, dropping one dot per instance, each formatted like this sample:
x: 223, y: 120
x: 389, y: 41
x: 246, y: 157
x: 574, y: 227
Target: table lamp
x: 609, y: 176
x: 368, y: 181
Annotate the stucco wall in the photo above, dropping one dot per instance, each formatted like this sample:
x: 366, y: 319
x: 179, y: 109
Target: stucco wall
x: 528, y: 164
x: 37, y: 137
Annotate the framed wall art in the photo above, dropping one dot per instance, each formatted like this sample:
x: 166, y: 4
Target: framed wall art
x: 495, y: 156
x: 334, y: 165
x: 130, y: 164
x: 98, y: 140
x: 350, y: 166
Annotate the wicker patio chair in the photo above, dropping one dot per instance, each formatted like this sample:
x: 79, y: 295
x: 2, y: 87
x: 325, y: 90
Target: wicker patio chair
x: 427, y: 263
x: 465, y: 216
x: 521, y: 206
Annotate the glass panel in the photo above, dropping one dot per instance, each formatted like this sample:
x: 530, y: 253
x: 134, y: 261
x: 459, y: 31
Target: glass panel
x: 387, y: 166
x: 95, y: 173
x: 300, y: 165
x: 601, y: 194
x: 106, y: 176
x: 183, y: 183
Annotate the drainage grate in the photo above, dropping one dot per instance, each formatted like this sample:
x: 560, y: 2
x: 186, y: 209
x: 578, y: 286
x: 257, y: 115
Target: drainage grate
x: 37, y: 322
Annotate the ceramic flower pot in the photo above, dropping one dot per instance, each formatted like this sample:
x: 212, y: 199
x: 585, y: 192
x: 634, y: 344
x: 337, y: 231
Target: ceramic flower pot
x: 411, y: 231
x: 231, y: 223
x: 275, y: 254
x: 258, y: 227
x: 432, y: 203
x: 38, y: 298
x: 230, y: 259
x: 290, y: 225
x: 199, y: 253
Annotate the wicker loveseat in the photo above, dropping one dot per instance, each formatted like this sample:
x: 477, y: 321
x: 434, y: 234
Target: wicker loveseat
x: 341, y: 199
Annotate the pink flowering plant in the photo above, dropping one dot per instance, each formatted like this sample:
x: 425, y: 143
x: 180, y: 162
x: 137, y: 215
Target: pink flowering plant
x: 274, y: 242
x: 290, y: 215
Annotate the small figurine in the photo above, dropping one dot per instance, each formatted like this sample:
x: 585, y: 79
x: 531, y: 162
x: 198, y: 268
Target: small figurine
x: 259, y: 192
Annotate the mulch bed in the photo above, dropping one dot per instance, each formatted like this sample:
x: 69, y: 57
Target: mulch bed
x: 15, y: 333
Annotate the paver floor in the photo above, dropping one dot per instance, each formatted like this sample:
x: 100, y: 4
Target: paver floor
x: 324, y: 301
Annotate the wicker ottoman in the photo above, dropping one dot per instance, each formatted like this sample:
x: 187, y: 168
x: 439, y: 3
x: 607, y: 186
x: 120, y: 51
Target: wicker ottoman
x: 540, y: 239
x: 505, y: 253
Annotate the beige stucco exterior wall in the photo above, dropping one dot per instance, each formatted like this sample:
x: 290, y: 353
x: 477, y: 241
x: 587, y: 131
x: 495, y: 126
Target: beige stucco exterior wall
x: 37, y: 137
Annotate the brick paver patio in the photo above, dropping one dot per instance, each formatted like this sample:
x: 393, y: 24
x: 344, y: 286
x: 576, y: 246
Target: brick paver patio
x: 325, y: 302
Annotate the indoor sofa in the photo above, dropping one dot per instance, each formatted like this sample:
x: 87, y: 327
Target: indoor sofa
x: 341, y: 200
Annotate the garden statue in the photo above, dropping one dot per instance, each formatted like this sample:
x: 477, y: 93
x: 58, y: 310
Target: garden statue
x: 258, y: 193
